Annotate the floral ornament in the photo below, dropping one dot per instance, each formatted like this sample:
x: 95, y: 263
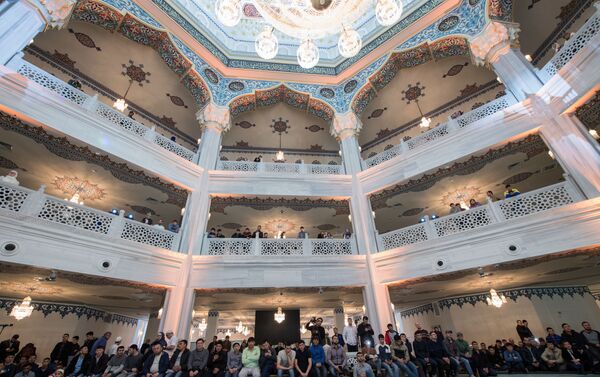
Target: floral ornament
x: 73, y: 185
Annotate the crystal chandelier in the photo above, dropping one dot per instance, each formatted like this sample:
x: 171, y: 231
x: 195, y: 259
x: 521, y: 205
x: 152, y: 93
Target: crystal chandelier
x: 425, y: 122
x: 302, y: 330
x: 202, y: 325
x: 309, y: 20
x: 246, y: 331
x: 23, y: 310
x: 280, y: 156
x: 495, y: 299
x: 279, y: 315
x: 120, y: 103
x: 239, y: 327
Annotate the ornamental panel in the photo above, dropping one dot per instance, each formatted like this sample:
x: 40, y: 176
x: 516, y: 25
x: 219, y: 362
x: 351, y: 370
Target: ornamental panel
x: 324, y: 169
x: 171, y: 146
x: 229, y: 246
x: 382, y: 157
x: 62, y: 212
x: 405, y: 236
x: 331, y: 247
x: 241, y: 166
x: 52, y: 83
x: 280, y: 247
x: 463, y: 221
x: 12, y: 198
x: 120, y: 120
x: 148, y: 235
x: 426, y: 137
x: 536, y: 201
x: 488, y: 109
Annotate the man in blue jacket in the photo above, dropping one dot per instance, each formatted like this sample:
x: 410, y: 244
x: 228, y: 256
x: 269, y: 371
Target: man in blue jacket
x: 157, y: 364
x: 318, y: 358
x: 513, y: 360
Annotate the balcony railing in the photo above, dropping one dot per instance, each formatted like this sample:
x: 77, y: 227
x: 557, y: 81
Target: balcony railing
x: 92, y: 104
x: 493, y: 212
x: 278, y: 247
x: 581, y: 39
x: 443, y: 130
x: 39, y: 206
x: 275, y: 167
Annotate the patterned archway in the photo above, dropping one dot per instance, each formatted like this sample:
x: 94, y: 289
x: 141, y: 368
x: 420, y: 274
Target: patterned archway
x: 268, y: 97
x: 111, y: 19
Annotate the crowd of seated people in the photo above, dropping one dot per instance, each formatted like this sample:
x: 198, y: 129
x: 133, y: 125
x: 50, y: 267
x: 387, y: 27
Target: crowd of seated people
x: 258, y: 233
x: 354, y: 352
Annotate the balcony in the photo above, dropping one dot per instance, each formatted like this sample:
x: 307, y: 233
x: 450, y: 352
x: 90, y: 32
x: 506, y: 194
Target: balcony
x: 440, y: 132
x: 543, y: 199
x: 100, y: 110
x: 277, y: 168
x: 279, y: 247
x: 34, y: 206
x: 583, y: 38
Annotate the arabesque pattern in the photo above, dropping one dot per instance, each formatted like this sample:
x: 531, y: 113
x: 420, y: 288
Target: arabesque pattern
x: 52, y: 83
x: 147, y: 234
x: 229, y: 246
x: 405, y: 236
x: 536, y: 201
x: 62, y: 212
x: 331, y: 247
x: 462, y: 221
x: 12, y: 198
x: 280, y: 247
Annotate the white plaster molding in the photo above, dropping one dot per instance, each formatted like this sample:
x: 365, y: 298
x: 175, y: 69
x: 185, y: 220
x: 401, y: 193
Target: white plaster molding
x: 345, y: 125
x: 493, y: 41
x: 59, y: 12
x: 215, y: 117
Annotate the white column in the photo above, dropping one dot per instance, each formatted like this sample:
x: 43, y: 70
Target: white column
x: 567, y: 139
x: 340, y: 319
x: 22, y: 20
x: 345, y: 128
x: 179, y: 303
x: 195, y: 219
x: 214, y: 120
x: 212, y: 323
x: 497, y: 45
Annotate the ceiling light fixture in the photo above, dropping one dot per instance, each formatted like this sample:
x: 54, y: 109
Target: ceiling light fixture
x: 202, y: 325
x: 23, y: 310
x: 594, y: 134
x: 279, y: 315
x: 495, y: 299
x: 425, y: 122
x: 280, y: 156
x: 239, y: 327
x: 302, y: 330
x: 309, y: 20
x: 120, y: 103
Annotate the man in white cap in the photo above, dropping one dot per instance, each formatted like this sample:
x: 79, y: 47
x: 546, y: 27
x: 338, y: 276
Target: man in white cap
x: 171, y: 342
x: 115, y: 346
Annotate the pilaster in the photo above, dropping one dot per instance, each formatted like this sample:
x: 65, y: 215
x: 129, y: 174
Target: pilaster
x: 497, y: 46
x: 340, y: 318
x: 214, y: 120
x: 212, y: 323
x: 179, y: 303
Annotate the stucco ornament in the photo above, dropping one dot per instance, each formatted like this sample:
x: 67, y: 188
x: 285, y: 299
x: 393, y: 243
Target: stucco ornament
x: 215, y: 116
x: 494, y: 41
x: 345, y: 125
x: 59, y: 11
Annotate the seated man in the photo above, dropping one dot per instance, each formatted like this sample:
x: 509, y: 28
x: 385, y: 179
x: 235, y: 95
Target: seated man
x: 423, y: 358
x: 179, y: 361
x: 440, y: 355
x: 362, y: 368
x: 80, y: 364
x: 250, y: 358
x: 286, y: 359
x: 456, y: 356
x: 401, y: 356
x: 133, y: 362
x: 98, y: 362
x: 384, y: 358
x: 513, y: 360
x: 267, y: 360
x: 552, y: 357
x: 198, y: 360
x: 157, y: 364
x: 480, y: 363
x: 336, y: 357
x: 26, y: 371
x: 116, y: 363
x: 234, y: 361
x: 531, y: 356
x: 217, y: 362
x: 303, y: 363
x: 318, y: 357
x: 495, y: 358
x: 572, y: 358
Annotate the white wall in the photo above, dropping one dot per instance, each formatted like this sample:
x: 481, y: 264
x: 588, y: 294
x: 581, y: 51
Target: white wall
x: 45, y: 332
x: 487, y: 323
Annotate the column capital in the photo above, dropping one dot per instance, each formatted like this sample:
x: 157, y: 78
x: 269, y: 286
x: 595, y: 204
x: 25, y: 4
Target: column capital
x: 493, y: 41
x: 345, y: 125
x: 215, y: 116
x: 59, y: 12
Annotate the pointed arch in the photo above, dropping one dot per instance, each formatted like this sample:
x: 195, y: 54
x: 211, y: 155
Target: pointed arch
x: 421, y: 54
x: 131, y: 27
x: 281, y: 93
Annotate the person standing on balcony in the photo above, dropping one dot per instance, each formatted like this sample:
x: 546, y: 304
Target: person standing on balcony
x: 148, y: 220
x: 220, y: 234
x: 247, y: 233
x: 10, y: 178
x: 237, y: 234
x: 258, y: 233
x: 350, y: 336
x: 510, y: 192
x: 212, y: 233
x: 173, y: 226
x: 302, y: 234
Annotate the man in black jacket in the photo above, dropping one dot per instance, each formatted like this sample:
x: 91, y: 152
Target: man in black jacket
x: 315, y: 326
x: 217, y: 361
x: 9, y: 347
x: 438, y: 353
x: 98, y: 363
x: 179, y: 360
x: 62, y: 350
x: 267, y: 360
x: 365, y: 333
x: 80, y: 364
x: 423, y: 358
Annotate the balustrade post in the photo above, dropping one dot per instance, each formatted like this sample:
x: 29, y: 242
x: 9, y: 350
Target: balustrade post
x: 451, y: 125
x: 403, y: 146
x: 34, y: 202
x: 91, y: 103
x: 429, y: 228
x: 303, y: 168
x: 306, y: 250
x: 150, y: 134
x: 495, y: 211
x: 16, y: 62
x: 256, y: 246
x: 261, y: 168
x: 117, y: 224
x: 573, y: 189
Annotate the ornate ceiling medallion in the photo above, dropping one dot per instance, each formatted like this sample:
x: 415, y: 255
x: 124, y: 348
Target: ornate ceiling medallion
x: 136, y: 73
x: 280, y: 126
x: 461, y: 195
